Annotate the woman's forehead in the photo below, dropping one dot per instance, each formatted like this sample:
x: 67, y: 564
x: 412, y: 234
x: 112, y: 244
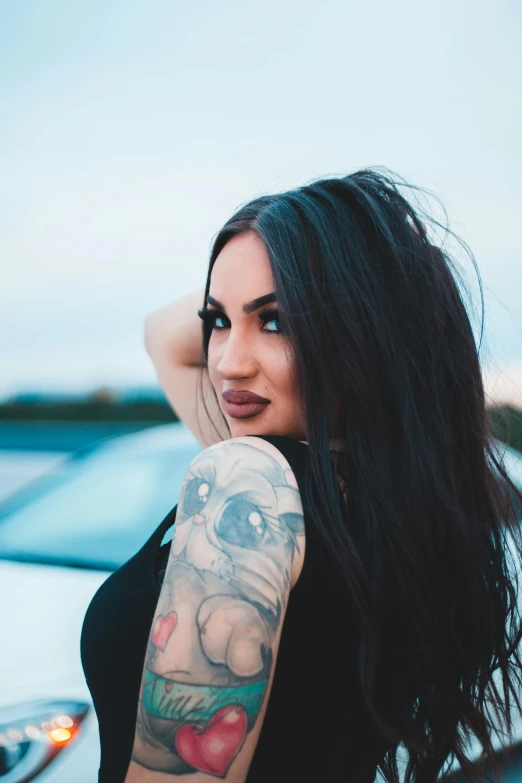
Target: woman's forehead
x: 242, y: 270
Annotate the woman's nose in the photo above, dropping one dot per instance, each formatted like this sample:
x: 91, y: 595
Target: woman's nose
x: 237, y: 359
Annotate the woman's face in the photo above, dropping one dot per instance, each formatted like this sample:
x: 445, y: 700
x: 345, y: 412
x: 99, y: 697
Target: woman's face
x: 247, y: 351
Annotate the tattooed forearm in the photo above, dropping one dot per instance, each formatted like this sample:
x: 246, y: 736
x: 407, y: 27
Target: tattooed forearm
x: 239, y: 526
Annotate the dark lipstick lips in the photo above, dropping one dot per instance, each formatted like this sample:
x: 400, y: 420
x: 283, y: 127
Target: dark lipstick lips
x: 244, y: 404
x: 240, y: 397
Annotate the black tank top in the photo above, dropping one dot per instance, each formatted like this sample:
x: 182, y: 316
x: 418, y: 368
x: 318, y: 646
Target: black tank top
x: 315, y: 729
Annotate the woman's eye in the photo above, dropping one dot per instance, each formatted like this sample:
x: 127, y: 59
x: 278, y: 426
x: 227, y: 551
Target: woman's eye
x: 276, y: 328
x: 271, y: 322
x: 216, y: 320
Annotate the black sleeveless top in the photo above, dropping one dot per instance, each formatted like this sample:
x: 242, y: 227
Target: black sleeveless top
x: 315, y: 728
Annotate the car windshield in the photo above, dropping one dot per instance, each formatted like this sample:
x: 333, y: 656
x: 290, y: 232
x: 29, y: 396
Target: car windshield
x: 100, y: 510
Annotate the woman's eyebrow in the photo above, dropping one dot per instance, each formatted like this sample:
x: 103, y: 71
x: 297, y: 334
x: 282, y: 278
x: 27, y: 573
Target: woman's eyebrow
x: 248, y: 307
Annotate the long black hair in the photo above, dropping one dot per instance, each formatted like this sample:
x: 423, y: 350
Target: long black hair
x: 427, y: 540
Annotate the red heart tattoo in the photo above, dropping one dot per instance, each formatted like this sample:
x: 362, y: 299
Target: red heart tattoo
x: 212, y: 749
x: 162, y: 630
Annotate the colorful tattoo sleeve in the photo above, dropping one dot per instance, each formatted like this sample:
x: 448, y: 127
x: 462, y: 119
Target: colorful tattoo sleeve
x: 239, y: 530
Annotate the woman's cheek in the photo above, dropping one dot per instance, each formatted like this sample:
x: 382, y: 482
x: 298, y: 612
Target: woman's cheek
x: 283, y: 376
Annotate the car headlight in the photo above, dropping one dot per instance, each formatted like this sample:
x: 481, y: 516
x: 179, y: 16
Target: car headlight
x: 32, y: 735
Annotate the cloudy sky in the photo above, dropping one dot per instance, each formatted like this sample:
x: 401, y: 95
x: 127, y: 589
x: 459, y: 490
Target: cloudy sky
x: 130, y: 132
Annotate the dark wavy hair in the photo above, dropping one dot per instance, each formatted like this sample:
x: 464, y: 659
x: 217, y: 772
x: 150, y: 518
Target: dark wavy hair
x: 427, y: 540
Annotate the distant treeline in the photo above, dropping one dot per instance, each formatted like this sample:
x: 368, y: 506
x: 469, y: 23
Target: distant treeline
x: 153, y: 411
x: 507, y: 425
x: 506, y: 420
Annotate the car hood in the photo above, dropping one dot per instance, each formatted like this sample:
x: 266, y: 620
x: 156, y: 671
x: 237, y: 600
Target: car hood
x: 42, y: 614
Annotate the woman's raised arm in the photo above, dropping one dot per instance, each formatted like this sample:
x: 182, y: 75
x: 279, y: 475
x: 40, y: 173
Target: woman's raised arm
x: 173, y: 340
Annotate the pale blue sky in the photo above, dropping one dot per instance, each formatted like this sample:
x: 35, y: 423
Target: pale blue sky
x: 131, y: 130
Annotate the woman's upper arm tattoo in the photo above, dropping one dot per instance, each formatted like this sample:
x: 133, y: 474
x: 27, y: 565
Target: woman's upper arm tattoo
x: 239, y: 525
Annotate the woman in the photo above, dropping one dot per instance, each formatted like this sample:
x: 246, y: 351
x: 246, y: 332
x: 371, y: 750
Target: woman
x: 338, y: 580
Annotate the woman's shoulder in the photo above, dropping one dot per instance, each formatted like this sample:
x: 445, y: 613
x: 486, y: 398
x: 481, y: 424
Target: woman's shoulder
x: 257, y: 478
x: 266, y: 452
x: 289, y: 452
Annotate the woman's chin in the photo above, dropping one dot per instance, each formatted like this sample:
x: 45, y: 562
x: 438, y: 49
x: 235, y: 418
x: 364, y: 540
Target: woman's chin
x: 264, y: 425
x: 245, y: 427
x: 252, y: 425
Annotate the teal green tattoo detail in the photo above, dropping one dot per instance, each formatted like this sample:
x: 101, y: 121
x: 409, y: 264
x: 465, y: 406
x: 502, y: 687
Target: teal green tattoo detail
x: 173, y: 700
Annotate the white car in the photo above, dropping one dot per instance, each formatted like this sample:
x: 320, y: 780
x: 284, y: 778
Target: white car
x: 59, y: 540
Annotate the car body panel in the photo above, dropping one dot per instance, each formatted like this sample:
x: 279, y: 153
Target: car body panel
x: 44, y: 604
x: 42, y: 613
